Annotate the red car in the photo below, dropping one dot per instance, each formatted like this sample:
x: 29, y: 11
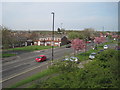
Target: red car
x: 41, y: 58
x: 88, y: 41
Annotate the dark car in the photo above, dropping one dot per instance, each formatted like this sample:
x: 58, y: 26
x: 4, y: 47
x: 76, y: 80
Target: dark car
x: 100, y: 51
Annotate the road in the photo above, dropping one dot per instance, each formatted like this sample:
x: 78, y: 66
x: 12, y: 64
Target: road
x: 25, y: 63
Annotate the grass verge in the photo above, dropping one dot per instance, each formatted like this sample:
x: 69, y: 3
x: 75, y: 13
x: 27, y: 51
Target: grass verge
x: 7, y: 55
x: 26, y: 48
x: 30, y: 48
x: 34, y: 77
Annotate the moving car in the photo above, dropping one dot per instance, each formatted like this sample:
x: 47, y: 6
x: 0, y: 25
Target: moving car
x: 73, y: 59
x: 88, y: 41
x: 105, y: 47
x: 41, y: 58
x: 92, y: 55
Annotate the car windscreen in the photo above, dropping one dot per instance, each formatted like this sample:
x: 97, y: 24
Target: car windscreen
x: 39, y: 57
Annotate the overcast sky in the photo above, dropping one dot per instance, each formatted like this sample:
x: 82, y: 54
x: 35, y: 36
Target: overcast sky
x: 73, y: 15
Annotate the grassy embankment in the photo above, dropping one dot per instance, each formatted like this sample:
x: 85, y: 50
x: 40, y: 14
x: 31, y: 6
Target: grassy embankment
x: 34, y: 77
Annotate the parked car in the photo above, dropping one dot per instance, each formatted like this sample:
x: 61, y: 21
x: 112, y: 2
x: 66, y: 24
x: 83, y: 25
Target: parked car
x: 40, y: 58
x: 92, y: 55
x: 68, y: 46
x: 95, y: 48
x: 73, y: 59
x: 100, y: 51
x: 105, y: 47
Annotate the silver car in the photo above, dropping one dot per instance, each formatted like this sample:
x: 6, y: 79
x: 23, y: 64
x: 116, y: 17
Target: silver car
x: 92, y: 55
x: 73, y: 59
x: 105, y: 47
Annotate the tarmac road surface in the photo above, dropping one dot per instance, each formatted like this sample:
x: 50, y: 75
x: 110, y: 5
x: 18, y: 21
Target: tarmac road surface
x: 20, y: 68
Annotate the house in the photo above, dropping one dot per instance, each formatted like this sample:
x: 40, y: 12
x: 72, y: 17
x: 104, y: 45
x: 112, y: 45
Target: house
x: 29, y: 42
x: 48, y: 41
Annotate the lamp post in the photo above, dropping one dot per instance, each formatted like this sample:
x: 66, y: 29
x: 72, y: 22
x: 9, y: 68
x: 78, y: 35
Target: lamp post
x: 53, y: 36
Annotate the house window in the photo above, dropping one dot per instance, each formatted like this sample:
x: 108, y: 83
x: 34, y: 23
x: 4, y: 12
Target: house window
x: 48, y: 42
x: 56, y: 42
x: 35, y: 42
x: 41, y: 42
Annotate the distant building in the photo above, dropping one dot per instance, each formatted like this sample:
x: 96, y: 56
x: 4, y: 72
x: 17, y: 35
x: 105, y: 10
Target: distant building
x: 47, y: 41
x: 29, y: 43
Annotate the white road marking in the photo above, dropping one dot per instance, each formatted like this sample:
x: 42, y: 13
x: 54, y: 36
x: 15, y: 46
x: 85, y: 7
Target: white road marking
x: 22, y: 73
x: 17, y: 66
x: 26, y: 70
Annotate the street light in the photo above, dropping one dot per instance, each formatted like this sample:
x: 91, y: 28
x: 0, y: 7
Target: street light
x: 53, y: 36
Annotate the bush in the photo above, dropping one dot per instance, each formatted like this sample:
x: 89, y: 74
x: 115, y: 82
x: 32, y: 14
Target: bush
x: 65, y: 66
x: 106, y: 55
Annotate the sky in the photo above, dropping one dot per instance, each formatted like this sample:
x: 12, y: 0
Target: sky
x: 72, y: 15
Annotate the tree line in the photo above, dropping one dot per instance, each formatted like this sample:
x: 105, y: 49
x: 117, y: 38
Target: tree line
x: 12, y: 38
